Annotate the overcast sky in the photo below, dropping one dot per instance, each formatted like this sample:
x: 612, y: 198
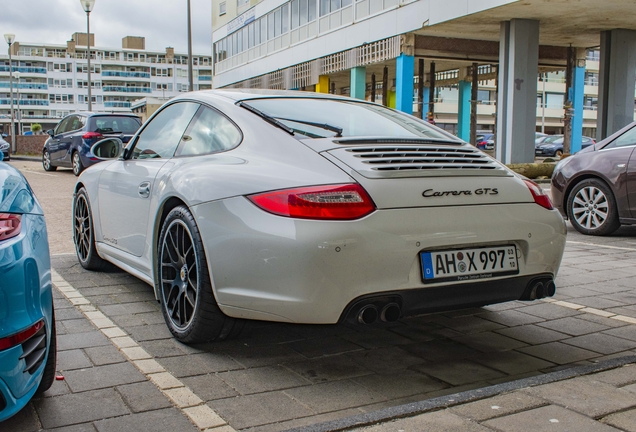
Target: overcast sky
x: 162, y: 22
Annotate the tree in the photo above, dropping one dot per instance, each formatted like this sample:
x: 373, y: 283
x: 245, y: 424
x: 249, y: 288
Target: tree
x: 36, y: 128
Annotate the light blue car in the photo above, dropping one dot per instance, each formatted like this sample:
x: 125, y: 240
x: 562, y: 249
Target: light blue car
x: 27, y: 321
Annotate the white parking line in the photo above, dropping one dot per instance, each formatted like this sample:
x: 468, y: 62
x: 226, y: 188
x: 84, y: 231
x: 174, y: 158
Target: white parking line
x: 601, y: 246
x: 41, y: 173
x: 179, y: 394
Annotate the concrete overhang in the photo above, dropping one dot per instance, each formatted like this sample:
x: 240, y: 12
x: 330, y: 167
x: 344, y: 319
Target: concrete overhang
x: 562, y: 22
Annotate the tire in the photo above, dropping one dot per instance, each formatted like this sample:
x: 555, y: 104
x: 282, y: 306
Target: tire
x: 46, y: 161
x: 83, y: 233
x: 187, y: 300
x: 592, y: 208
x: 76, y: 161
x: 558, y: 153
x: 48, y: 375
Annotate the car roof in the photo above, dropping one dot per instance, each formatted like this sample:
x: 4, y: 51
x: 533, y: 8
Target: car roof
x: 236, y: 95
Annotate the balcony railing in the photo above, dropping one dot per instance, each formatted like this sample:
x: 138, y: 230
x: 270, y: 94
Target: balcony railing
x: 205, y: 77
x: 29, y: 86
x: 127, y: 89
x: 112, y: 104
x: 111, y: 73
x: 25, y: 102
x: 24, y: 69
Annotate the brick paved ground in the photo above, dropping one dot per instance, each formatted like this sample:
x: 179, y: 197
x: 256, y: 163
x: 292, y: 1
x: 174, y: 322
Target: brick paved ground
x: 279, y: 376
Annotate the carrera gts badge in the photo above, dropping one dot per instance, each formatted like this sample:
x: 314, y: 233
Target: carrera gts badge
x: 430, y: 193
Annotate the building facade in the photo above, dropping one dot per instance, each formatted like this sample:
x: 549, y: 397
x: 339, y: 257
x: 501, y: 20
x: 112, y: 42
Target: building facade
x: 353, y: 47
x: 51, y: 81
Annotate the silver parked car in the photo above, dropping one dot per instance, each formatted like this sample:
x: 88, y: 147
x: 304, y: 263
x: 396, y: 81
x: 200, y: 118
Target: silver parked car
x: 306, y: 208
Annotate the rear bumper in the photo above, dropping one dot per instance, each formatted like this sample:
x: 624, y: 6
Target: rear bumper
x: 9, y: 403
x: 280, y: 269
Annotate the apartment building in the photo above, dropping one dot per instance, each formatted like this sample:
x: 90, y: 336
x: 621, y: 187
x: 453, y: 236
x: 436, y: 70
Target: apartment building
x: 51, y: 81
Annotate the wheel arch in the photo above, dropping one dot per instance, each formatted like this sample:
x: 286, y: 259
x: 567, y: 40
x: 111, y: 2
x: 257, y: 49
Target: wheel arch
x: 162, y: 213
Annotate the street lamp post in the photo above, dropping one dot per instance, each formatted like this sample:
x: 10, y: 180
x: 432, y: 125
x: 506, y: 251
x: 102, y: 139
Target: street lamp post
x: 190, y: 73
x: 87, y: 5
x: 19, y: 113
x: 10, y: 38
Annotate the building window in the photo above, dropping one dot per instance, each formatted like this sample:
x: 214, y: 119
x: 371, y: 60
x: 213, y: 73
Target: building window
x: 241, y: 3
x: 222, y: 8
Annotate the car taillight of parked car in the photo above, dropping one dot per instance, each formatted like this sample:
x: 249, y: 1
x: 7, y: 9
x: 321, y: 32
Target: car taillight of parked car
x: 92, y: 135
x: 10, y: 225
x: 329, y: 202
x: 539, y: 195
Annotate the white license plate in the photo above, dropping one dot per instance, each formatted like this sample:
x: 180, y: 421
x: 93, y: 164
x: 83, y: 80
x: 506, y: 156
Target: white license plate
x: 469, y: 264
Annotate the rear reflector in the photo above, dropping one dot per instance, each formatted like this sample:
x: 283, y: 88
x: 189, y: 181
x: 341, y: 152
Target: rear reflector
x: 539, y: 195
x: 18, y: 338
x: 329, y: 202
x: 92, y: 135
x: 10, y: 225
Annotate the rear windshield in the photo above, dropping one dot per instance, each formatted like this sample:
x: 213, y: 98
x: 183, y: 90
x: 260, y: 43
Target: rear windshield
x: 15, y: 193
x: 356, y: 119
x: 114, y: 124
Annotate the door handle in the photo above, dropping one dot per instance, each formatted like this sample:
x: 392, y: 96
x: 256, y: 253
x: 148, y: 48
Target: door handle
x: 144, y: 189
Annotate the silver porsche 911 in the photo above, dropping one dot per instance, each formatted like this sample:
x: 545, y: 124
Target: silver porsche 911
x: 306, y: 208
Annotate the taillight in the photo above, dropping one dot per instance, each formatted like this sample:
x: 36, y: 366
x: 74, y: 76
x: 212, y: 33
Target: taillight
x: 92, y: 135
x: 330, y: 202
x: 10, y: 225
x: 18, y: 338
x: 539, y: 195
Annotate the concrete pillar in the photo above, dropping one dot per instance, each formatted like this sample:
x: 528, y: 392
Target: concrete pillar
x: 463, y: 111
x: 405, y: 70
x: 617, y: 78
x: 517, y: 102
x: 323, y: 84
x: 577, y: 96
x: 358, y: 83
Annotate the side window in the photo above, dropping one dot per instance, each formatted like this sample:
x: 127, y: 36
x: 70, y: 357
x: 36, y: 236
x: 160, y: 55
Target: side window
x: 627, y: 139
x: 162, y: 135
x: 75, y: 123
x: 209, y: 132
x: 63, y: 126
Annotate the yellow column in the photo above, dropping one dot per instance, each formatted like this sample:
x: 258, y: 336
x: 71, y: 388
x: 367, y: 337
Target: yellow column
x: 323, y: 84
x: 392, y: 99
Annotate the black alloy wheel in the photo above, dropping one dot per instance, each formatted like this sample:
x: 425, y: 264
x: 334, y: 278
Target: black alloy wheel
x: 188, y: 304
x: 592, y: 208
x: 46, y: 161
x: 83, y: 233
x: 77, y: 164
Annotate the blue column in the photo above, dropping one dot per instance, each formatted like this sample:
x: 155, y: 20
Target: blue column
x: 463, y: 111
x: 577, y: 96
x: 358, y: 87
x: 404, y: 83
x: 425, y: 97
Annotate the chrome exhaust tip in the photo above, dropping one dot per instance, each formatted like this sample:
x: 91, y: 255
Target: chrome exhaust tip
x: 368, y: 314
x: 390, y: 313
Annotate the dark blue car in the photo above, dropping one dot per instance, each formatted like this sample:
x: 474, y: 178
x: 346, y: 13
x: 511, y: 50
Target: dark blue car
x: 69, y: 144
x: 27, y: 320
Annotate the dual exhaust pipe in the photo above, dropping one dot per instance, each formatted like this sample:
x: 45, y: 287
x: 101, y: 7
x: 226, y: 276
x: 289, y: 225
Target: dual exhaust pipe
x: 370, y: 313
x: 542, y: 289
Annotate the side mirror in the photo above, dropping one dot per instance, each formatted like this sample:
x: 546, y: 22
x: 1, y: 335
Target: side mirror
x: 50, y: 132
x: 107, y: 149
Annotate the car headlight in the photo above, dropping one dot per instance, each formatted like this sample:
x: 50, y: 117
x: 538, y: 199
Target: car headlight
x: 559, y: 166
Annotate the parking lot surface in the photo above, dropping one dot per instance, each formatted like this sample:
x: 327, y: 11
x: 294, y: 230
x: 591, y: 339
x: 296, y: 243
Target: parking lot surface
x: 123, y: 370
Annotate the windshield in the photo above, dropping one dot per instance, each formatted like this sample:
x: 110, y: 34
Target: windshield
x: 556, y: 139
x: 322, y: 118
x: 114, y: 124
